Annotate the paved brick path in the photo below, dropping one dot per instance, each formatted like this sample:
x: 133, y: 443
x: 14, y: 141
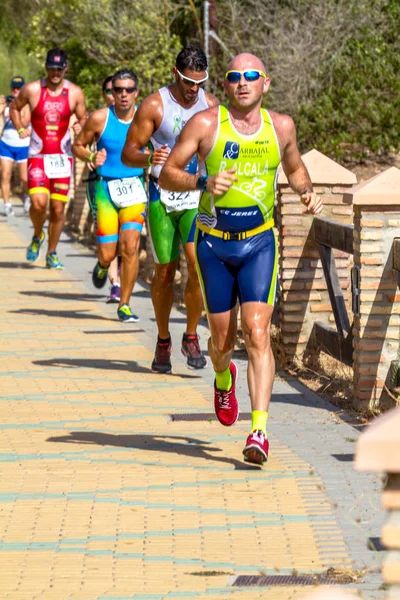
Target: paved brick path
x: 103, y: 496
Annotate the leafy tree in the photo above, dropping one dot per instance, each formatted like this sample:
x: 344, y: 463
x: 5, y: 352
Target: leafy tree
x: 357, y: 111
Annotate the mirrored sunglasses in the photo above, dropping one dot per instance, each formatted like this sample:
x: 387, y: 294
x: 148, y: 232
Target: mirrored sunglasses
x: 249, y: 75
x: 189, y: 81
x: 108, y: 91
x: 129, y: 90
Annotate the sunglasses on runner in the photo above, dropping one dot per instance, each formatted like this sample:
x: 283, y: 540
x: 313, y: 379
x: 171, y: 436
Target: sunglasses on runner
x: 250, y: 75
x: 129, y: 90
x: 108, y: 91
x: 189, y: 81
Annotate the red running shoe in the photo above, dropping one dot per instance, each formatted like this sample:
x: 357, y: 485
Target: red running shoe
x: 256, y: 448
x: 225, y: 402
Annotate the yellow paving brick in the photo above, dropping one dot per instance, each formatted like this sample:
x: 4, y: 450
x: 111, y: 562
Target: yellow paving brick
x: 102, y: 494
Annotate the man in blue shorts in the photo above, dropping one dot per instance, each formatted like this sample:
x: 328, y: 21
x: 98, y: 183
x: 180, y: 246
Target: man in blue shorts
x: 13, y: 148
x: 242, y: 146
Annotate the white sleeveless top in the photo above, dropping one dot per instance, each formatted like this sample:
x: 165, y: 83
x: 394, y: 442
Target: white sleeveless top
x: 10, y: 135
x: 174, y: 119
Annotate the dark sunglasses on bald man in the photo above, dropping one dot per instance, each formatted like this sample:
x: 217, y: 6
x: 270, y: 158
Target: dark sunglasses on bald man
x: 129, y: 90
x: 249, y: 75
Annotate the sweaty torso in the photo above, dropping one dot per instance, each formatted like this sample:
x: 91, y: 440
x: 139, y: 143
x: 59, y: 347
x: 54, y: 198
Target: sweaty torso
x: 50, y: 122
x: 256, y: 157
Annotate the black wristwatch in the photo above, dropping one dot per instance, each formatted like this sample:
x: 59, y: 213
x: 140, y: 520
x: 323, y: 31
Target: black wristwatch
x: 201, y: 182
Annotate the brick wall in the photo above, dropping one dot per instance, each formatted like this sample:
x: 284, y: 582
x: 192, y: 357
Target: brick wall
x: 376, y: 329
x: 304, y: 297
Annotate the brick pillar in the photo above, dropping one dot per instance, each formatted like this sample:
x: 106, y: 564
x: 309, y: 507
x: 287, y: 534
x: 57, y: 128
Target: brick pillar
x: 378, y: 450
x: 303, y: 292
x: 376, y: 327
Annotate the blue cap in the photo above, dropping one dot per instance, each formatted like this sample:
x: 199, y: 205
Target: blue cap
x: 17, y: 81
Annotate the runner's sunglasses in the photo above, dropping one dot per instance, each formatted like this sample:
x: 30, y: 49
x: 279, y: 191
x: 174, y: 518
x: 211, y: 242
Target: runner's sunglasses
x: 129, y: 90
x: 250, y: 75
x: 189, y: 81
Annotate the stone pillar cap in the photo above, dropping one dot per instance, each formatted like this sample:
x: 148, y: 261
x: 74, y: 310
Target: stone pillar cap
x: 378, y: 448
x: 381, y: 189
x: 323, y: 171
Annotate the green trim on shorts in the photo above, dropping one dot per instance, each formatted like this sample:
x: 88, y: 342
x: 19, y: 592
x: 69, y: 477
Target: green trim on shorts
x: 272, y: 292
x: 166, y: 231
x: 201, y: 282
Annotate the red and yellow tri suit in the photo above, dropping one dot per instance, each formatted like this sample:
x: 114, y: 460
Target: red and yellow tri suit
x: 49, y: 158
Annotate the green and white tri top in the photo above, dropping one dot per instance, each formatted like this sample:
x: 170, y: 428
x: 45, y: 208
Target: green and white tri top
x: 256, y: 158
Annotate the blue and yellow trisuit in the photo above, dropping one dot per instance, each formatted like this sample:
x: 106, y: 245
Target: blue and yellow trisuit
x: 236, y: 249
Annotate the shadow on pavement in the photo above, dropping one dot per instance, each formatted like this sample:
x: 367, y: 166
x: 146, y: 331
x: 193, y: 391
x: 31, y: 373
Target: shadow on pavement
x: 113, y: 331
x: 19, y: 265
x: 82, y: 254
x: 141, y: 294
x: 172, y: 319
x: 51, y: 281
x: 185, y: 446
x: 12, y: 247
x: 94, y: 363
x: 105, y: 365
x: 67, y: 314
x: 344, y: 457
x: 65, y: 296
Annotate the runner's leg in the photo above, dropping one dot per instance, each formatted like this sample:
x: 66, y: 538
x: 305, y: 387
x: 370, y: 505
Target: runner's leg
x: 106, y: 222
x: 131, y: 220
x: 23, y: 174
x: 256, y: 325
x: 129, y: 241
x: 193, y: 297
x: 113, y: 272
x: 165, y: 241
x: 38, y: 212
x: 6, y: 171
x: 56, y: 223
x: 223, y: 327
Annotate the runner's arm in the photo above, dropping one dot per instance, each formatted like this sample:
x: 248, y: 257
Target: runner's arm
x: 139, y: 134
x: 26, y: 117
x: 90, y: 131
x: 80, y: 107
x: 16, y: 110
x: 295, y: 169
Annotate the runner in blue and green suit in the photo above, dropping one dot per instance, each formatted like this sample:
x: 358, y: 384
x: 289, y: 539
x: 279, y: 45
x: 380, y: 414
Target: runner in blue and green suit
x: 241, y: 146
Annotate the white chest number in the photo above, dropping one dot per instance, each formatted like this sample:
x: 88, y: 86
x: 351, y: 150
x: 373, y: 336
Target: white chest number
x: 175, y: 201
x: 127, y: 192
x: 57, y: 166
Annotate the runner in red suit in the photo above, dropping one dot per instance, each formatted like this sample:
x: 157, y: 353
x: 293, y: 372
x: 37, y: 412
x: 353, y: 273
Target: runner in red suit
x: 52, y: 101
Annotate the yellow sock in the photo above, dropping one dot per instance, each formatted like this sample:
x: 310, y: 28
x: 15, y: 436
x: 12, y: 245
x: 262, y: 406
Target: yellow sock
x: 224, y: 380
x: 259, y: 420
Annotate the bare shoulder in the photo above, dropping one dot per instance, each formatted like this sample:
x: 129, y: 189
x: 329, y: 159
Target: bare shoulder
x: 31, y: 88
x: 97, y: 119
x: 211, y: 100
x: 282, y: 122
x: 75, y: 90
x: 152, y: 105
x: 207, y: 117
x: 285, y: 129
